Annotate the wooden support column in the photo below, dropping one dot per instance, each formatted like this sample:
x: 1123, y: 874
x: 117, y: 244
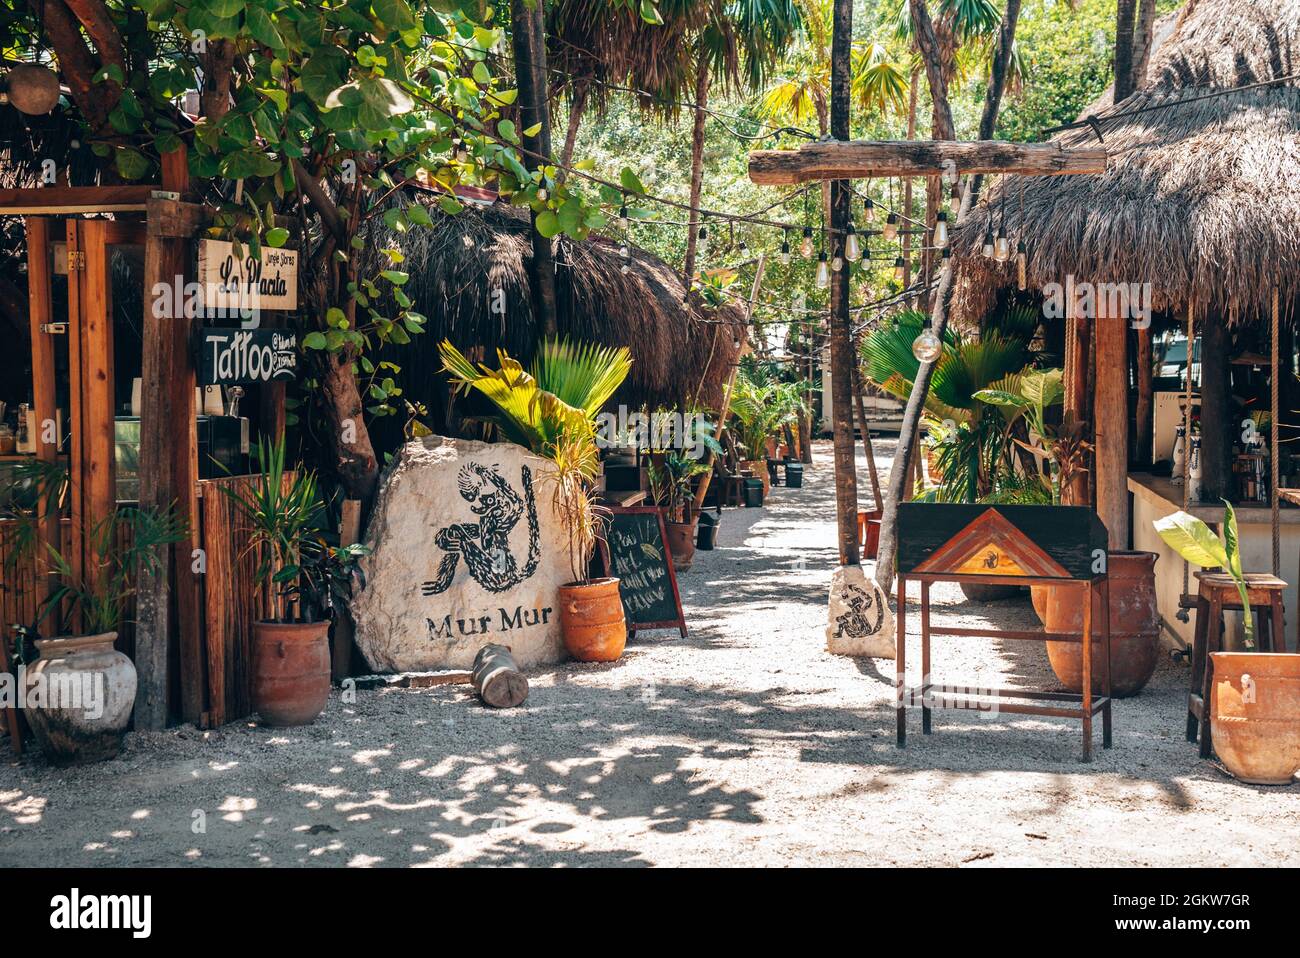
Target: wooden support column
x: 1216, y: 407
x: 168, y: 599
x: 1078, y: 390
x: 1145, y: 397
x: 39, y: 293
x: 1111, y: 409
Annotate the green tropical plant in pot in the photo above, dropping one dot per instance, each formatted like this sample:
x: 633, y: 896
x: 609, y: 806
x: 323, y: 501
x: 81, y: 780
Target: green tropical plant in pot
x: 306, y: 580
x: 670, y: 487
x: 1198, y: 544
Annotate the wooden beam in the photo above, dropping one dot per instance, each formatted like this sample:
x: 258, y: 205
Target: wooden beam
x: 74, y: 199
x: 40, y: 295
x: 1111, y: 410
x: 860, y: 159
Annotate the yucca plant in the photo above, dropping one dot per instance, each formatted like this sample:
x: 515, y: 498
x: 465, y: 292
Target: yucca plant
x: 564, y: 389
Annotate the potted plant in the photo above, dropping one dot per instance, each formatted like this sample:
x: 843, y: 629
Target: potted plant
x: 306, y: 579
x: 670, y: 487
x: 1254, y: 696
x: 88, y: 724
x: 592, y: 623
x: 760, y: 407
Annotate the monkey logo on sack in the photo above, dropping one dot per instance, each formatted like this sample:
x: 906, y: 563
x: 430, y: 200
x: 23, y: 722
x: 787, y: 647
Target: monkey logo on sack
x: 485, y: 545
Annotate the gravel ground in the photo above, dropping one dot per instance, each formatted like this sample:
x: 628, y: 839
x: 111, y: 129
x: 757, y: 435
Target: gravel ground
x: 743, y: 744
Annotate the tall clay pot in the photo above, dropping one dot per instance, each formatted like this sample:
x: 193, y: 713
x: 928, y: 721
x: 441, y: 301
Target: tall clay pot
x: 681, y: 543
x: 291, y: 671
x: 1134, y: 627
x: 591, y: 620
x: 1038, y: 597
x: 87, y: 691
x: 1255, y: 715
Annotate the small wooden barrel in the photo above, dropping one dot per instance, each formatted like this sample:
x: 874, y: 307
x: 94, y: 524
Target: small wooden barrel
x: 591, y: 619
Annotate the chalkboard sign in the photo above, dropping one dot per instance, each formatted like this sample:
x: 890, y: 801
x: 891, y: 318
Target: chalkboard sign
x: 227, y: 357
x: 638, y: 556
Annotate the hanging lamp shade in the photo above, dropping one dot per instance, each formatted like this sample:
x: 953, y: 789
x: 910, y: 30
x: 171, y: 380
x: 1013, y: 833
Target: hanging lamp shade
x: 33, y: 89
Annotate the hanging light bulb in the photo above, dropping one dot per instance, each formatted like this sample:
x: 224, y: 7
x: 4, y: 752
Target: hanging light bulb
x: 622, y: 216
x: 852, y: 248
x: 987, y: 248
x: 823, y: 271
x: 743, y: 248
x: 891, y: 227
x: 785, y: 248
x: 837, y: 263
x: 947, y: 255
x: 1022, y: 266
x: 941, y: 228
x: 1002, y: 246
x: 869, y: 209
x: 926, y: 347
x: 704, y: 231
x: 627, y: 255
x: 806, y: 245
x: 900, y: 268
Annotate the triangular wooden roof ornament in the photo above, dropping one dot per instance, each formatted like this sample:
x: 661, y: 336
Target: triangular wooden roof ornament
x: 991, y: 545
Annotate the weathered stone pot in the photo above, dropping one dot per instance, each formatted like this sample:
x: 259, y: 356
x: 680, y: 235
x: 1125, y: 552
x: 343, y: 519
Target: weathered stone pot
x: 81, y: 692
x: 591, y: 620
x: 291, y: 671
x: 1134, y: 626
x: 1255, y: 715
x: 984, y: 592
x: 681, y: 543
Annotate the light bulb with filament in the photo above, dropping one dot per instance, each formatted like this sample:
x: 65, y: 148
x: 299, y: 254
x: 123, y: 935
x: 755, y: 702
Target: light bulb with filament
x: 869, y: 209
x: 852, y: 247
x: 987, y: 248
x: 1002, y: 246
x: 926, y: 347
x: 891, y: 227
x: 941, y: 229
x: 823, y: 272
x: 1022, y: 266
x: 785, y: 250
x: 837, y: 264
x: 622, y: 216
x: 704, y: 233
x: 900, y: 269
x: 806, y: 246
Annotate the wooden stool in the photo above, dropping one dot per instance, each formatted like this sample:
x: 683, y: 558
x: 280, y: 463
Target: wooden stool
x: 1218, y: 593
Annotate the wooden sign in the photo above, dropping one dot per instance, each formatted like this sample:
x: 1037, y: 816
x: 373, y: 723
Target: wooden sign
x: 1060, y: 542
x: 231, y: 282
x: 638, y: 555
x: 227, y: 357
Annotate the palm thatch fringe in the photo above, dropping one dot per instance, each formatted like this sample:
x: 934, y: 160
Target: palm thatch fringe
x: 1199, y: 199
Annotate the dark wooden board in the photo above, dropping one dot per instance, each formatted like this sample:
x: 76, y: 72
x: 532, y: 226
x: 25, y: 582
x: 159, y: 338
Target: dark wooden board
x: 226, y: 357
x: 636, y: 543
x: 1068, y: 536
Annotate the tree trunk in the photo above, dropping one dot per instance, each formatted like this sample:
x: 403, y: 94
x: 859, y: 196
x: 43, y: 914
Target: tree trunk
x: 913, y: 88
x: 841, y: 330
x: 530, y: 70
x: 697, y: 169
x: 908, y: 432
x: 1142, y: 36
x: 1124, y: 14
x: 576, y: 107
x: 218, y: 62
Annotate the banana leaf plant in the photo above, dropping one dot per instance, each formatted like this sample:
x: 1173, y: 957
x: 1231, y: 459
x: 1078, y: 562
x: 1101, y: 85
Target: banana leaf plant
x: 562, y: 392
x: 1196, y: 542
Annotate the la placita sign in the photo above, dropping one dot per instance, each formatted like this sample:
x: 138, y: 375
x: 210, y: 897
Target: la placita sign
x: 233, y: 282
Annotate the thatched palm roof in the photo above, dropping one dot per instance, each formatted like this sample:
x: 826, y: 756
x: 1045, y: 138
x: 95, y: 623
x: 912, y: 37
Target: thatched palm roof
x: 1199, y: 198
x: 469, y: 278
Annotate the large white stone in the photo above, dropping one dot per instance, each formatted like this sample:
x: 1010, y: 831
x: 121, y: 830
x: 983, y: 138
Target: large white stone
x: 859, y: 621
x: 468, y: 550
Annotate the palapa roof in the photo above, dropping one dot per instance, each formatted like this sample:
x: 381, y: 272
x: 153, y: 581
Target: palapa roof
x: 1199, y: 198
x: 469, y: 277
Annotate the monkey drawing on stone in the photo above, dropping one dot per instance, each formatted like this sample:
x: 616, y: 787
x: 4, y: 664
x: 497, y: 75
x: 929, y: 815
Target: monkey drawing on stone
x: 485, y: 545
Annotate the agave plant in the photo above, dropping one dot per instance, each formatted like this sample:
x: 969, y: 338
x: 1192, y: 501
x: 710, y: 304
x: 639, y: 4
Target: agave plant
x: 561, y: 393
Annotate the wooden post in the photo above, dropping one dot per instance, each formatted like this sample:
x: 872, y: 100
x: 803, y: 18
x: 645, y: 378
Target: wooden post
x: 1216, y: 429
x: 1145, y: 398
x: 43, y: 395
x: 168, y: 472
x: 840, y: 320
x: 344, y: 628
x: 1111, y: 406
x: 1078, y: 378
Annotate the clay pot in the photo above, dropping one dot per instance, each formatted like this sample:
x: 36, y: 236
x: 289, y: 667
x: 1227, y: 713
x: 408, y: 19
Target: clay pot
x: 291, y: 671
x: 681, y: 543
x: 88, y: 692
x: 1255, y: 715
x: 591, y: 620
x: 1134, y: 626
x: 1038, y: 596
x: 986, y: 592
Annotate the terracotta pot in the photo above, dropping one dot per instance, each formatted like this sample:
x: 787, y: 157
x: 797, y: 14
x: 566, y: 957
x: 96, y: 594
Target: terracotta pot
x: 985, y: 592
x: 1038, y: 596
x: 1134, y: 625
x: 87, y: 691
x: 681, y: 543
x: 591, y: 620
x: 291, y: 671
x: 1255, y: 715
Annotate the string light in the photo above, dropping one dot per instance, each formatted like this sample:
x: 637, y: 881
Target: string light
x: 869, y: 209
x: 1002, y: 246
x: 926, y: 347
x: 900, y: 268
x: 891, y: 227
x: 806, y: 246
x: 941, y: 228
x: 622, y: 214
x: 987, y: 248
x: 785, y: 248
x: 1022, y: 266
x: 823, y: 273
x: 837, y: 263
x: 852, y: 248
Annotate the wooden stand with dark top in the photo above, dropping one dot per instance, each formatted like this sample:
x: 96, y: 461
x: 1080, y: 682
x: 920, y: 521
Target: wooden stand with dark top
x: 1217, y: 593
x: 1004, y: 545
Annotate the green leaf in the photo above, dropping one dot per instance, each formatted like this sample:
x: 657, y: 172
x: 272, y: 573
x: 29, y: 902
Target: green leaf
x: 1192, y: 539
x: 314, y: 340
x: 548, y: 224
x: 131, y: 163
x: 630, y: 181
x: 321, y: 75
x: 259, y: 24
x: 277, y: 237
x: 650, y: 13
x: 394, y: 276
x: 224, y: 8
x: 394, y: 14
